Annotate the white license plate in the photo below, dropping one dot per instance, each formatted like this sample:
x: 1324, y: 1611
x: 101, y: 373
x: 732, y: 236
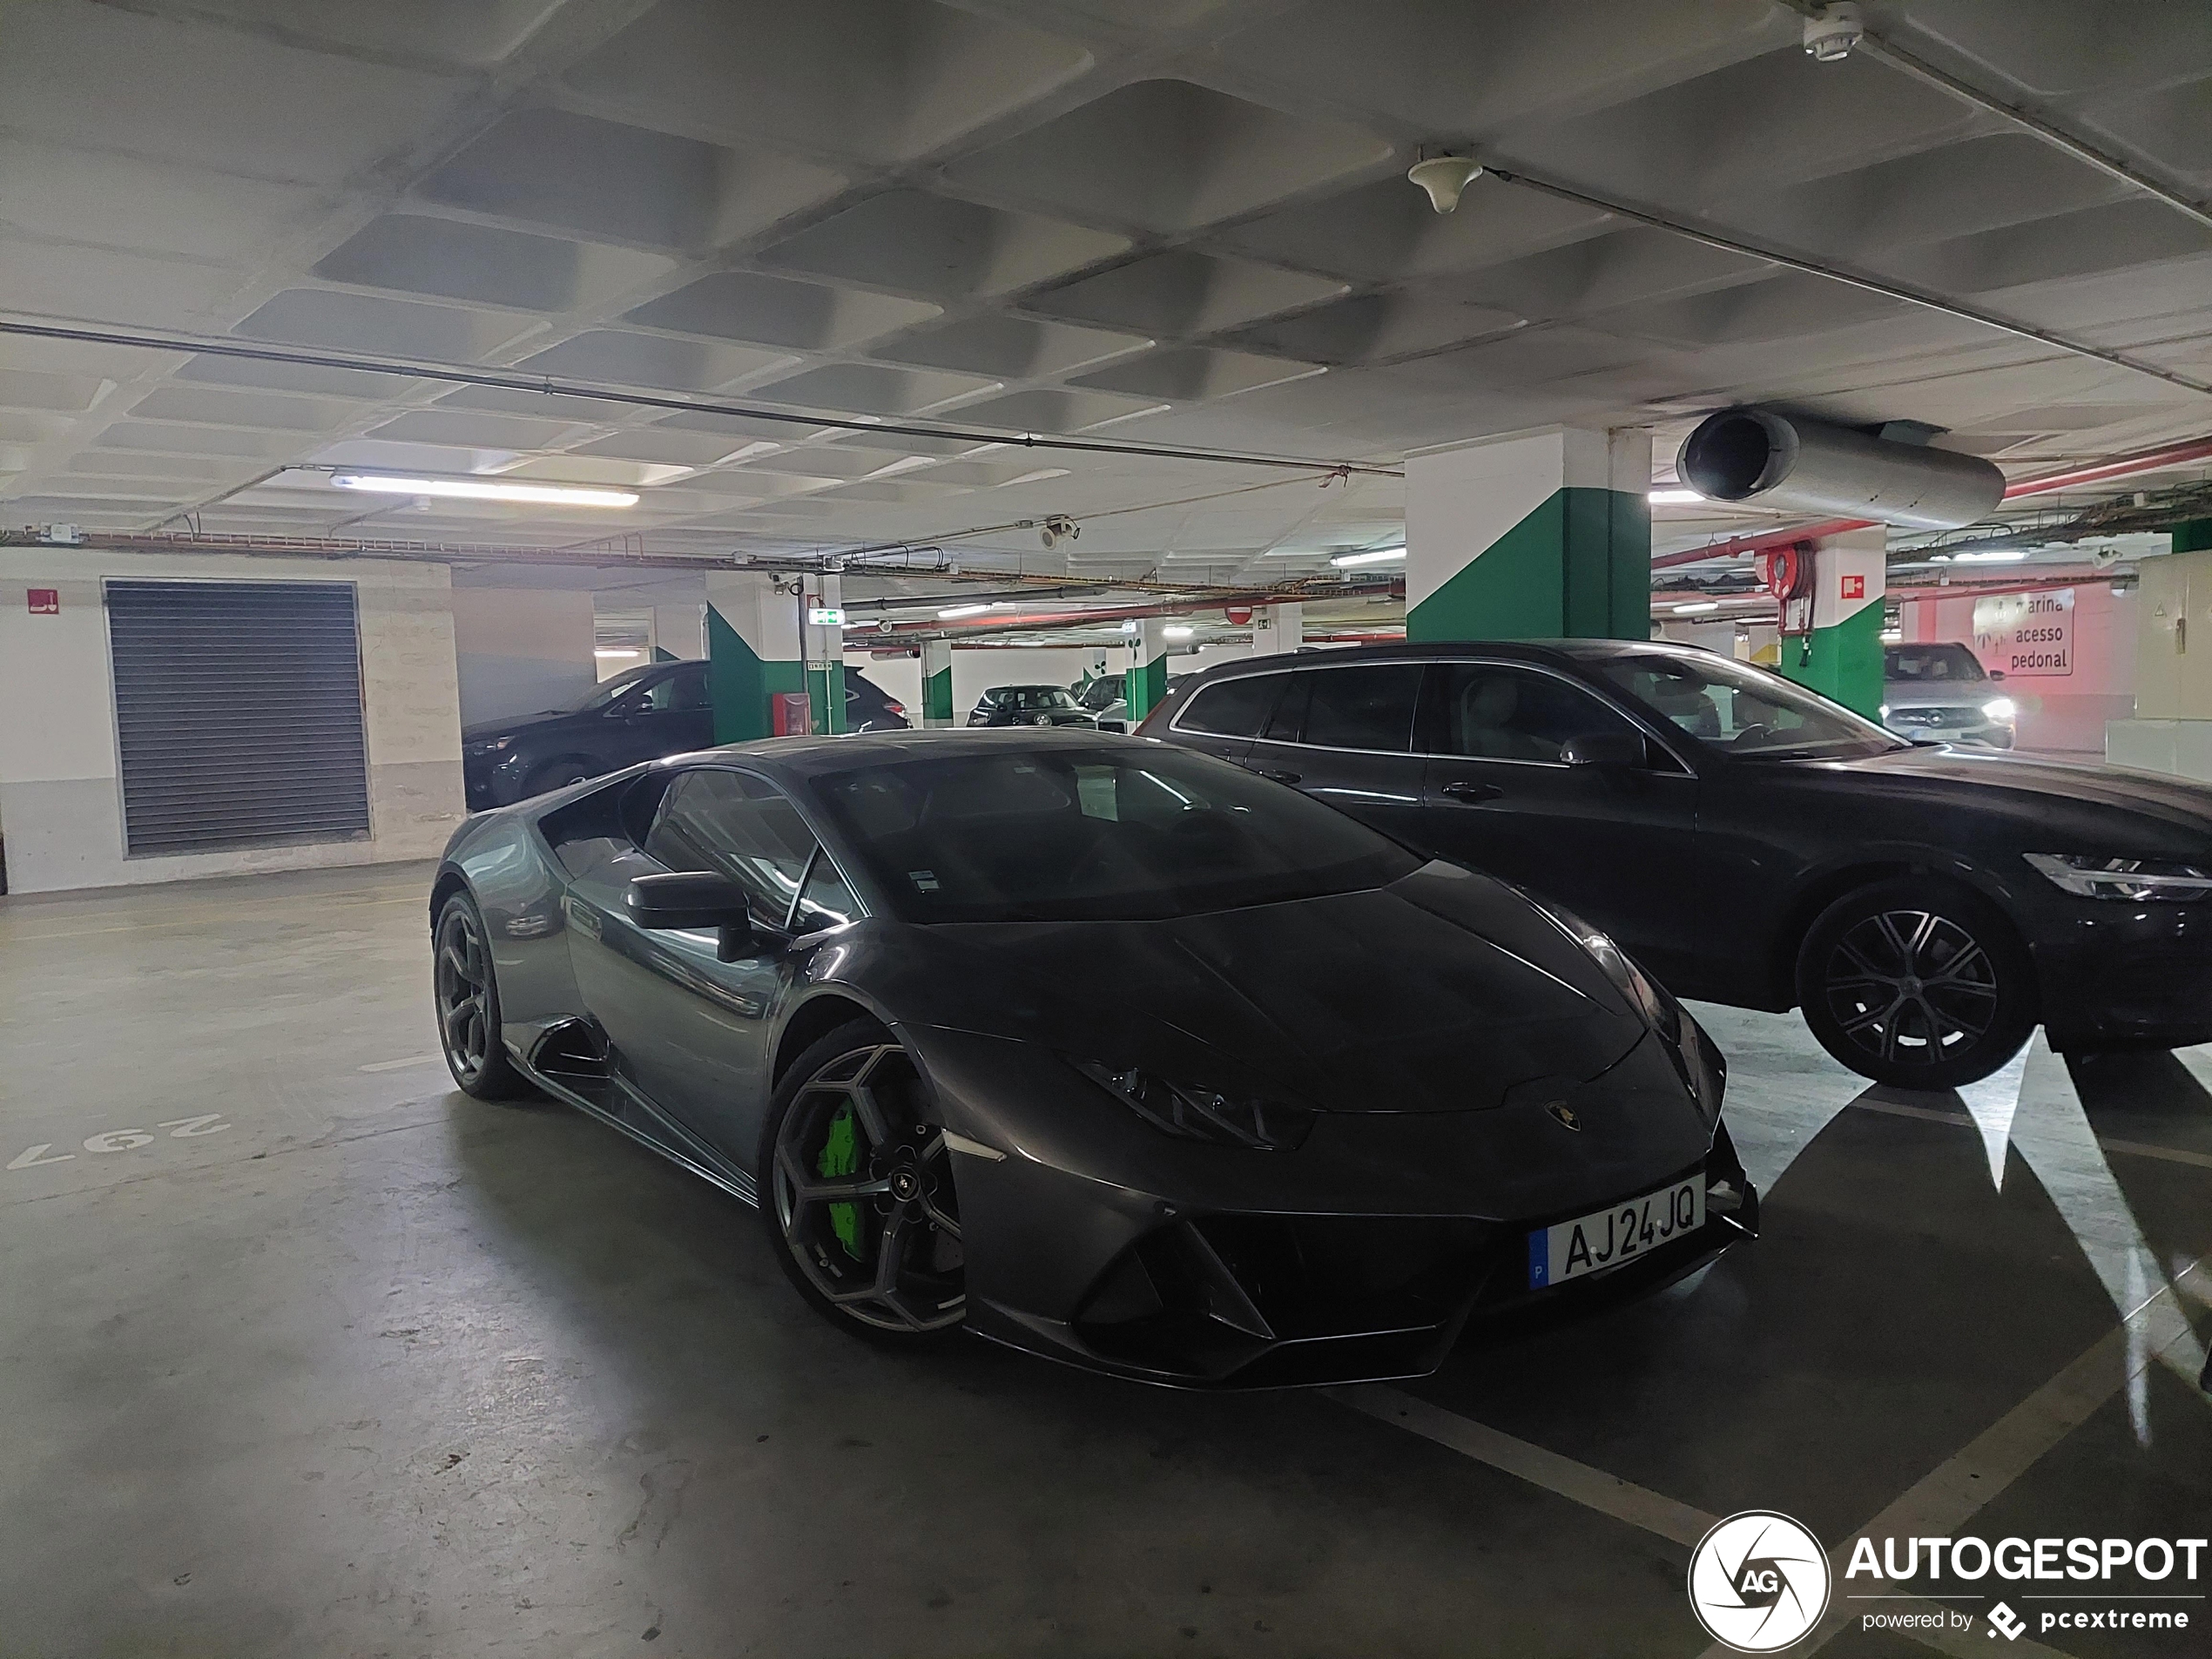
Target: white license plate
x: 1608, y: 1237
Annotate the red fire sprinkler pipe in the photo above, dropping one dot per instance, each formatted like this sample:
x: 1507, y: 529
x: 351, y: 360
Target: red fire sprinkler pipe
x: 2096, y: 472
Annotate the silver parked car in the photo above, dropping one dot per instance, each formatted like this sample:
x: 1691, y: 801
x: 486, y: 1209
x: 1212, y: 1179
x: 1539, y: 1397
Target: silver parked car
x: 1943, y: 693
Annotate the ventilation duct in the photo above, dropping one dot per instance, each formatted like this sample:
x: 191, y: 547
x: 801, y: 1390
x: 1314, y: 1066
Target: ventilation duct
x: 1784, y: 461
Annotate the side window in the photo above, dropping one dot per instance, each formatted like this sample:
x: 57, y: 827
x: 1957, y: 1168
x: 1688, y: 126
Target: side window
x: 825, y: 901
x: 1290, y: 712
x: 740, y: 826
x: 1488, y: 712
x: 1367, y: 707
x: 1236, y: 708
x: 686, y: 688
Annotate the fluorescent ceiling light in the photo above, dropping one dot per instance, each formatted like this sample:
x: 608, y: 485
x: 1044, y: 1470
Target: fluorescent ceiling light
x: 1696, y: 606
x: 1176, y: 630
x: 1674, y: 497
x: 1380, y: 556
x: 950, y: 611
x: 615, y: 650
x: 487, y: 490
x: 1999, y: 555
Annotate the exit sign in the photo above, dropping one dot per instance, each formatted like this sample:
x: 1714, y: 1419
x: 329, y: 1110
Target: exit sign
x: 44, y: 601
x: 826, y: 617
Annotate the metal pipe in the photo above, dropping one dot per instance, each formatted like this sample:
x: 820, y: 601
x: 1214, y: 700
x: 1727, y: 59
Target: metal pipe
x: 1912, y: 296
x: 2126, y: 466
x: 546, y: 385
x: 1762, y: 457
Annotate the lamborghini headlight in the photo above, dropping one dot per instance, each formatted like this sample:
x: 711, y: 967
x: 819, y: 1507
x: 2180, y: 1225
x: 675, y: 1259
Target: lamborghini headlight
x: 2087, y: 876
x: 1191, y: 1113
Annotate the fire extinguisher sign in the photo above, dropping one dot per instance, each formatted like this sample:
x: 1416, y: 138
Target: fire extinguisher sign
x: 1854, y: 587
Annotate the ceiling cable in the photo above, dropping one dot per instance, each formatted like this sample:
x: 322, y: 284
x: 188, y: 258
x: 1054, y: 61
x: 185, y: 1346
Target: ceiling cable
x: 1853, y: 279
x: 544, y: 385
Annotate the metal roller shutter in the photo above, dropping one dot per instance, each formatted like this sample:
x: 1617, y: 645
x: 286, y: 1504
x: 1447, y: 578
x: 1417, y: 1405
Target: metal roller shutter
x: 238, y: 706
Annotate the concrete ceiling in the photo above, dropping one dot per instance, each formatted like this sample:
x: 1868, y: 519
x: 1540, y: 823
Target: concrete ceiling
x: 1173, y: 222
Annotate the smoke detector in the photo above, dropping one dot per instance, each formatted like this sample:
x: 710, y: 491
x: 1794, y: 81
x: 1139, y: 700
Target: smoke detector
x: 1832, y: 33
x: 1444, y: 178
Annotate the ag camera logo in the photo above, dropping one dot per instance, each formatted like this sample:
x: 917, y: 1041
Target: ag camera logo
x: 1758, y: 1581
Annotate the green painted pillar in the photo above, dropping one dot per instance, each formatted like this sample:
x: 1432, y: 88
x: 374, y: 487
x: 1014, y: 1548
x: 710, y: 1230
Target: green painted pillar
x: 2193, y: 535
x: 936, y: 682
x: 1147, y: 681
x: 753, y: 652
x: 1543, y: 537
x: 1841, y: 657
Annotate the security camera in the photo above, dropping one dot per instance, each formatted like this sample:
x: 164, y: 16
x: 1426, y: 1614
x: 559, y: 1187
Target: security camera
x: 1445, y: 177
x: 1059, y: 528
x: 1832, y: 33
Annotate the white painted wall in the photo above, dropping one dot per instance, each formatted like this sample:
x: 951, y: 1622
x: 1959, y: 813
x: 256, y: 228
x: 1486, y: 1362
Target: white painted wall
x: 61, y: 798
x: 520, y: 649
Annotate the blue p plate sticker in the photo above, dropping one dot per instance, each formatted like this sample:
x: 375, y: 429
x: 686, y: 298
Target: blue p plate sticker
x: 1540, y: 1258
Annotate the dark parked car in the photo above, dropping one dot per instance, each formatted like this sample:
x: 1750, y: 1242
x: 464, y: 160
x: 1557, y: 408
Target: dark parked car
x: 1753, y: 843
x: 661, y: 709
x: 1028, y: 705
x: 1343, y: 1103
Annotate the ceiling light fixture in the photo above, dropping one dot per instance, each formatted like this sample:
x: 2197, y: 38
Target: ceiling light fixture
x: 1999, y: 556
x: 486, y: 489
x: 1176, y: 630
x: 1673, y: 498
x: 615, y: 651
x: 951, y: 611
x: 1379, y: 556
x: 1697, y: 607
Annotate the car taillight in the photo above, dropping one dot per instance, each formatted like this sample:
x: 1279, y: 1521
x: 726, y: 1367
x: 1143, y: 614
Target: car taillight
x: 895, y: 708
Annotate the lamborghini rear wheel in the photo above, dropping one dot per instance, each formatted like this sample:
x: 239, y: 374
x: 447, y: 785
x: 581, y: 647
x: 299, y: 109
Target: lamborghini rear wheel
x: 857, y: 1191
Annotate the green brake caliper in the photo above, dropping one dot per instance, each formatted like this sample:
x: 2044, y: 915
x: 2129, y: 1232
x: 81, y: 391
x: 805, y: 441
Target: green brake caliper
x: 841, y: 1155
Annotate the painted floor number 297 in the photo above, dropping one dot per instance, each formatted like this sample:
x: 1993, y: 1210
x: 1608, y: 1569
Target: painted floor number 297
x: 121, y: 1140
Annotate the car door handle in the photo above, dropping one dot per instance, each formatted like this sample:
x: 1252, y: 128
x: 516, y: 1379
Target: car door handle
x: 1277, y: 777
x: 1470, y: 792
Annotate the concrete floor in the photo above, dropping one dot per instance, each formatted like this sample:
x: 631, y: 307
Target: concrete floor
x: 304, y: 1354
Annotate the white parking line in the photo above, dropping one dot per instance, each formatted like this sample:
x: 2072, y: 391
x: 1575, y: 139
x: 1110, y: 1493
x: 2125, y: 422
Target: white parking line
x: 2131, y: 1148
x: 1936, y: 1505
x: 398, y: 1065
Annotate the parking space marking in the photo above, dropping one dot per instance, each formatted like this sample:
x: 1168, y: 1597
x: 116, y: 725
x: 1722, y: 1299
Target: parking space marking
x: 1593, y: 1488
x: 397, y: 1065
x: 2131, y: 1148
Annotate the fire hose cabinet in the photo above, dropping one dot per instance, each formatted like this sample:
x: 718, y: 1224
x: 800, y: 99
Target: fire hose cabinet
x: 791, y: 714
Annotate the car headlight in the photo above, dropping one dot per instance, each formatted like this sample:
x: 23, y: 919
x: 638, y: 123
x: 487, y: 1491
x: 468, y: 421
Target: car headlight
x: 1190, y: 1113
x: 1999, y: 709
x: 1660, y: 1010
x: 2090, y: 877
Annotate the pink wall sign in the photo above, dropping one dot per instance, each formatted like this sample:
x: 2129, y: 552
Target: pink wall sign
x: 2027, y: 636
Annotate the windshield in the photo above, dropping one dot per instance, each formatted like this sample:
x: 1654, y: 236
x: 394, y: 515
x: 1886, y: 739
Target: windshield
x: 1945, y: 665
x: 1101, y: 692
x: 1105, y: 834
x: 1746, y: 711
x: 606, y: 691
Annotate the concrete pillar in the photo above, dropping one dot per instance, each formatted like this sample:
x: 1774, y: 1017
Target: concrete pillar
x: 1148, y: 670
x: 679, y: 633
x: 936, y: 682
x: 752, y: 650
x: 1277, y: 629
x: 1842, y: 657
x: 825, y: 651
x: 1538, y: 537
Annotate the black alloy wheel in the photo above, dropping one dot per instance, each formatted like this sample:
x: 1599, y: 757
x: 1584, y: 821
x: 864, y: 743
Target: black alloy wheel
x: 859, y: 1201
x: 465, y: 992
x: 1916, y: 983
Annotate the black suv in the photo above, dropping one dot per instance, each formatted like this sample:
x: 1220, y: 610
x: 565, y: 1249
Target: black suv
x: 1754, y: 843
x: 661, y: 709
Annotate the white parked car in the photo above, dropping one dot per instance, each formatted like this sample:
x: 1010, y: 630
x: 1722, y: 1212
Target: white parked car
x: 1941, y: 692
